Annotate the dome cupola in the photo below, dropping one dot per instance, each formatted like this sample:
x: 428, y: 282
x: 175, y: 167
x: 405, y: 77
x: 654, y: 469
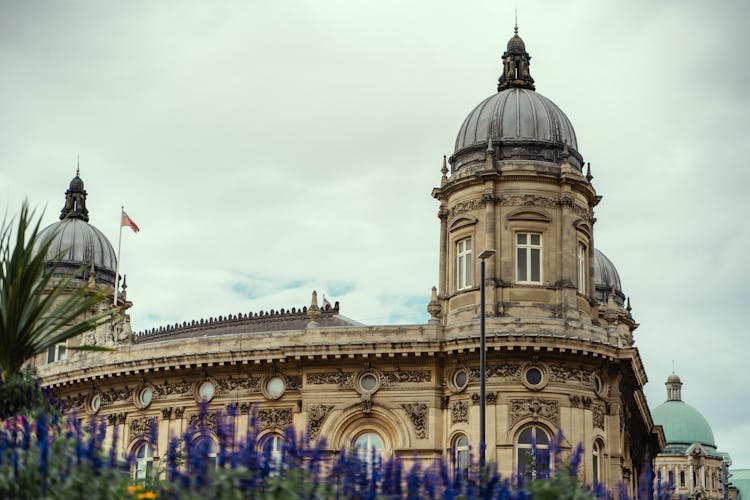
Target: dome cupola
x: 76, y: 243
x: 683, y: 424
x: 606, y: 280
x: 516, y: 123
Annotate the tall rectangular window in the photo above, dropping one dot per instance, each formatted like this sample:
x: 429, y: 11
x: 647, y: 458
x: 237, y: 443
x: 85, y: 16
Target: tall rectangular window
x: 528, y: 257
x: 464, y: 265
x: 56, y: 352
x: 582, y: 266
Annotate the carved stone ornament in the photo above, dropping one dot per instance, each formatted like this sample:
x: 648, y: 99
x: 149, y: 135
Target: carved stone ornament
x: 534, y: 200
x: 491, y: 398
x: 571, y: 376
x: 339, y: 378
x: 390, y: 378
x: 121, y: 418
x: 207, y: 420
x: 505, y: 370
x: 316, y: 415
x: 178, y: 412
x: 465, y: 206
x: 460, y: 411
x: 167, y: 388
x: 293, y: 383
x: 598, y: 417
x: 112, y: 395
x: 577, y: 401
x: 112, y: 419
x: 166, y: 413
x: 277, y: 418
x: 141, y: 426
x: 72, y: 403
x: 444, y: 400
x: 418, y: 414
x: 230, y: 384
x: 475, y: 398
x: 548, y: 409
x: 245, y: 407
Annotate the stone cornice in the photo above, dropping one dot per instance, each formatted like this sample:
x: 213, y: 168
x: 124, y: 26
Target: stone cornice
x: 287, y: 348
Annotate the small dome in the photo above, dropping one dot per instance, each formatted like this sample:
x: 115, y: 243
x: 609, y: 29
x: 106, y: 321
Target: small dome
x: 606, y: 280
x: 674, y: 379
x: 516, y: 44
x: 683, y: 424
x: 76, y: 184
x: 522, y: 123
x: 75, y: 243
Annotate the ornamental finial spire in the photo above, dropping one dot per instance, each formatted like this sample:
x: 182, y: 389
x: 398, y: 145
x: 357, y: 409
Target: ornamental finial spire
x: 75, y: 199
x: 516, y: 65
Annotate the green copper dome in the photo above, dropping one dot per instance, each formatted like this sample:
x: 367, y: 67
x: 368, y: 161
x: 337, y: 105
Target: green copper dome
x: 682, y: 423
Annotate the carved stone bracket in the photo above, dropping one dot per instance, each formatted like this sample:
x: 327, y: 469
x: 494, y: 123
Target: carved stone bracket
x: 245, y: 407
x: 166, y: 413
x: 491, y: 398
x: 548, y: 409
x: 316, y: 415
x: 141, y: 426
x: 178, y: 412
x: 577, y: 401
x: 444, y: 400
x: 274, y: 418
x: 475, y: 398
x: 460, y: 411
x: 418, y: 414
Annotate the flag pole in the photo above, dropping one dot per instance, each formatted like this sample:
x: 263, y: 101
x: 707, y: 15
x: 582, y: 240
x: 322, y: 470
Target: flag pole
x: 117, y: 265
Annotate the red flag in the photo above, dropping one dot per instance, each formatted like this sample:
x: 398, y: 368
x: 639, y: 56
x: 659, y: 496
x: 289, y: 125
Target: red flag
x: 126, y: 221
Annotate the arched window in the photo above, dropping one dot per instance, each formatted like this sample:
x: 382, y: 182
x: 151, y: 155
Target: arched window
x: 272, y: 447
x: 144, y: 462
x: 532, y: 453
x: 205, y: 447
x: 671, y: 478
x: 461, y: 453
x: 597, y: 461
x: 682, y: 479
x: 369, y: 447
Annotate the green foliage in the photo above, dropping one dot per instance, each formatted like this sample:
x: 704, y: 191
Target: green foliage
x: 35, y: 312
x: 21, y: 394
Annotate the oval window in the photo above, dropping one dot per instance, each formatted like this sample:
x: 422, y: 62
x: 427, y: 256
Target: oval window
x: 96, y: 403
x: 275, y: 387
x: 460, y: 379
x: 145, y: 396
x: 534, y: 376
x: 368, y: 382
x: 206, y: 391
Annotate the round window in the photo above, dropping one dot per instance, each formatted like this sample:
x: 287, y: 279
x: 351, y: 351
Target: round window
x: 597, y: 384
x: 96, y: 403
x: 145, y: 396
x: 534, y: 376
x: 206, y: 391
x: 368, y: 382
x: 460, y: 379
x: 275, y: 387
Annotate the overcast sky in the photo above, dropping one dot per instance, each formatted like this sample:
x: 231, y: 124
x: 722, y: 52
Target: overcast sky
x: 267, y: 149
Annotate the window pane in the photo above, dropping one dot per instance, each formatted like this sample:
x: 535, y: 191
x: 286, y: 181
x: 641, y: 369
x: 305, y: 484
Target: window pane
x: 521, y: 238
x: 51, y: 354
x: 536, y: 239
x: 541, y: 437
x: 535, y: 265
x: 526, y: 436
x: 469, y: 273
x: 467, y: 243
x: 521, y: 264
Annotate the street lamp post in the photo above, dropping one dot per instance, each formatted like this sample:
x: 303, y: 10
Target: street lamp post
x: 486, y: 254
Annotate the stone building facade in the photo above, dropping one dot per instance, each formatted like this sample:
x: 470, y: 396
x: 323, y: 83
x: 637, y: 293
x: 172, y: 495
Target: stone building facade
x: 560, y: 345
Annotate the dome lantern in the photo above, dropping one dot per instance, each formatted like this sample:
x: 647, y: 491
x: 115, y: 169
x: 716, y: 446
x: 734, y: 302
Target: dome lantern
x: 75, y: 200
x: 674, y: 388
x: 516, y: 65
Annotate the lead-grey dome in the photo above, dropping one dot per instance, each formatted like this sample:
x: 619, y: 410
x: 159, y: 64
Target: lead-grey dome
x: 76, y: 243
x: 606, y: 279
x: 517, y: 114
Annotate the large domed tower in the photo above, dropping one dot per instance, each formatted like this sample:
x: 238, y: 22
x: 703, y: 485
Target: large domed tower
x: 79, y: 248
x: 559, y: 332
